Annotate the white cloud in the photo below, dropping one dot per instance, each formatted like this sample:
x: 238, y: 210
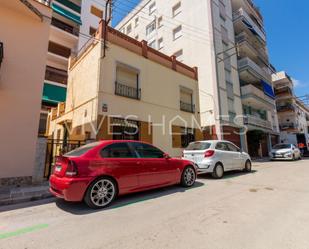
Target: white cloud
x: 298, y: 83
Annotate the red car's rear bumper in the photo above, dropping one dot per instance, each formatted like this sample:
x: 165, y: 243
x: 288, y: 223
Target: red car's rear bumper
x: 70, y: 189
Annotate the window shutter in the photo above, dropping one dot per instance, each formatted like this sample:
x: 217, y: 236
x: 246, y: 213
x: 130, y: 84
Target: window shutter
x: 102, y: 127
x: 176, y: 136
x: 145, y: 132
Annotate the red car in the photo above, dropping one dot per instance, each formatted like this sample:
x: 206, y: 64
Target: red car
x: 100, y: 171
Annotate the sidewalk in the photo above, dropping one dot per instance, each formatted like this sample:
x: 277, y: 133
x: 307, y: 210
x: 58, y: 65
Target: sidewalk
x: 9, y: 195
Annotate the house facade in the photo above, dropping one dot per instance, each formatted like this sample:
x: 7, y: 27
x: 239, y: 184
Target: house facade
x: 21, y: 83
x: 257, y: 93
x: 293, y: 114
x: 199, y: 33
x: 133, y: 92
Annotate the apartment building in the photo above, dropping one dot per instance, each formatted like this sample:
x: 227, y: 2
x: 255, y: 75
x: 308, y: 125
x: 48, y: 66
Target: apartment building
x: 72, y: 23
x: 199, y: 33
x: 134, y: 92
x: 21, y: 82
x: 293, y: 114
x: 257, y: 93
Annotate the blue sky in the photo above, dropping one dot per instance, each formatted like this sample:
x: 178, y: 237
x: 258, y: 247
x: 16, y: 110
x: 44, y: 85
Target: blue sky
x: 287, y: 28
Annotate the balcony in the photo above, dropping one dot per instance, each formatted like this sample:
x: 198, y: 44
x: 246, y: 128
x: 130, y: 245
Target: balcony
x: 288, y: 127
x: 251, y: 95
x: 187, y: 107
x: 257, y: 122
x: 242, y: 21
x: 56, y: 75
x: 127, y: 91
x: 250, y: 72
x: 59, y: 49
x: 249, y: 6
x: 65, y: 27
x: 286, y: 108
x: 251, y: 47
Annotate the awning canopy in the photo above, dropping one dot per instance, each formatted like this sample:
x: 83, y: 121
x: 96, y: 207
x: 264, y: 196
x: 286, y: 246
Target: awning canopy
x: 67, y: 14
x: 268, y: 90
x: 54, y: 94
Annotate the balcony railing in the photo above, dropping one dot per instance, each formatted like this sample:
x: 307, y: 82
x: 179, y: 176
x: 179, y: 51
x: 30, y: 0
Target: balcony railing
x: 127, y: 91
x: 247, y: 63
x: 1, y: 52
x: 256, y: 121
x: 70, y: 5
x: 244, y: 39
x: 242, y: 15
x: 65, y: 27
x: 288, y: 126
x: 286, y: 108
x: 250, y: 90
x: 187, y: 107
x: 56, y: 75
x: 59, y: 49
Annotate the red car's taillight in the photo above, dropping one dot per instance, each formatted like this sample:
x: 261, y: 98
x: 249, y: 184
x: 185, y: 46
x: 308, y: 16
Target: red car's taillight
x: 209, y: 153
x: 71, y: 169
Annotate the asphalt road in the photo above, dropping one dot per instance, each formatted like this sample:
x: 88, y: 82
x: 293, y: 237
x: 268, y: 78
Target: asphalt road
x: 268, y: 208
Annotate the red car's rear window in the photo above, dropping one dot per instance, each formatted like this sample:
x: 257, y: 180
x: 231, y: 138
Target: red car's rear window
x: 81, y: 150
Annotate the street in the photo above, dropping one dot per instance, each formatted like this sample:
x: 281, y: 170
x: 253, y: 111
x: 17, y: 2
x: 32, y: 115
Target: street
x: 268, y: 208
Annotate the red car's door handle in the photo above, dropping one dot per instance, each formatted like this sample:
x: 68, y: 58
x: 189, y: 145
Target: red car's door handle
x: 138, y: 163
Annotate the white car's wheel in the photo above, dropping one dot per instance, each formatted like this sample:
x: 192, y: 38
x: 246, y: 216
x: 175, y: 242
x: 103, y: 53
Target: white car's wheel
x: 218, y: 171
x: 248, y: 166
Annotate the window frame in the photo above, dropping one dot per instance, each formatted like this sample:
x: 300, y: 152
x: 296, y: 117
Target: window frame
x: 175, y: 32
x: 132, y: 145
x: 176, y: 7
x: 151, y: 24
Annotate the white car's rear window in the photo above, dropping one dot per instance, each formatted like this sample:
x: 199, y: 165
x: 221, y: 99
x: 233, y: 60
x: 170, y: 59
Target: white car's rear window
x: 198, y: 146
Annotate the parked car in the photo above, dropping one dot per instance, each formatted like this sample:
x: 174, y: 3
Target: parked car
x: 285, y: 151
x: 217, y: 157
x: 98, y: 172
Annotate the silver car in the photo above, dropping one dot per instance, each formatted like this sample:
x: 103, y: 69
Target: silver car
x: 285, y: 152
x: 216, y: 157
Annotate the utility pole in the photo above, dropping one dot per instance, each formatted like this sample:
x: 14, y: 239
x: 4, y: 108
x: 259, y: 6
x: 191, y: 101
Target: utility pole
x: 108, y: 15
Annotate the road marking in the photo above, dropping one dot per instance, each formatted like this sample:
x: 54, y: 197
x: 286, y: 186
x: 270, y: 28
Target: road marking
x: 22, y: 231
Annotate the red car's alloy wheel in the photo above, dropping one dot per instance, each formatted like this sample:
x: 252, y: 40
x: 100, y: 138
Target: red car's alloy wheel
x: 101, y: 193
x: 188, y: 177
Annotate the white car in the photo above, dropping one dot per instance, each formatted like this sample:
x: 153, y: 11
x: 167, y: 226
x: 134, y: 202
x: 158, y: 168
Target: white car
x: 285, y: 152
x: 216, y: 157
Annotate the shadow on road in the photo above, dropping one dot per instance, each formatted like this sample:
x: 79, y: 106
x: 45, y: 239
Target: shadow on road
x: 122, y: 201
x: 227, y: 175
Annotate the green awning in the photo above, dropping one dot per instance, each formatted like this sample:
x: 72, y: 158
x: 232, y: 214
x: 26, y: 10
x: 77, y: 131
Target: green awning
x: 66, y: 13
x: 54, y: 94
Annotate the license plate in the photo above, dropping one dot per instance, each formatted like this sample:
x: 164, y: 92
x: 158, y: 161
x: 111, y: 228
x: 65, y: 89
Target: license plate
x: 57, y: 168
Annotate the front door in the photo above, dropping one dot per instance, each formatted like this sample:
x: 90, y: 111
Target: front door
x: 156, y: 169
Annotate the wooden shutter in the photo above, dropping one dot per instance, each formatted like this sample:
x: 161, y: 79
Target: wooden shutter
x: 102, y: 126
x: 145, y: 132
x: 176, y: 136
x: 198, y: 134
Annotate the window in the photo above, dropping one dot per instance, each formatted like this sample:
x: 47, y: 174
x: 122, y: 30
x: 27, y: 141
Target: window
x: 117, y: 150
x: 96, y: 11
x: 232, y: 147
x: 177, y: 32
x: 224, y: 34
x: 136, y: 21
x: 198, y: 146
x: 160, y: 22
x: 178, y: 55
x: 222, y: 10
x: 127, y: 82
x: 147, y: 151
x: 124, y: 129
x: 152, y: 44
x: 176, y: 9
x: 187, y: 136
x: 150, y: 27
x: 129, y: 29
x: 186, y: 100
x: 160, y: 43
x: 228, y: 75
x: 92, y: 31
x: 43, y: 123
x: 222, y: 146
x: 152, y: 8
x: 82, y: 150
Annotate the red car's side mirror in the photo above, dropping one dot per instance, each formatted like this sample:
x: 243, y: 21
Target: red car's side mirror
x: 166, y: 156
